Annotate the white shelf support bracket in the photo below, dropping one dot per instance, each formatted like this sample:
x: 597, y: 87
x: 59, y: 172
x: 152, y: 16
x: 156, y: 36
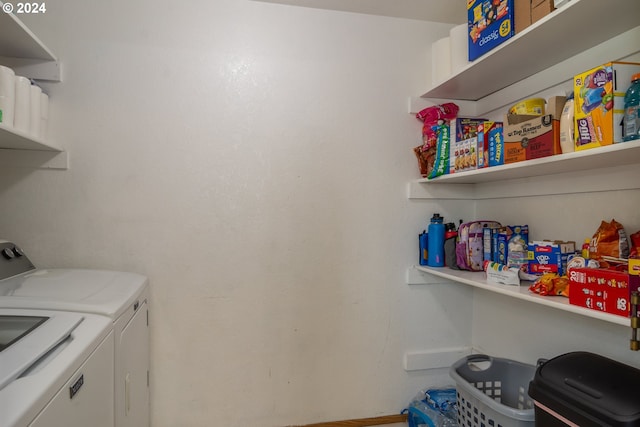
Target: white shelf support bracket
x: 417, y: 277
x: 421, y: 190
x: 37, y: 69
x: 433, y: 359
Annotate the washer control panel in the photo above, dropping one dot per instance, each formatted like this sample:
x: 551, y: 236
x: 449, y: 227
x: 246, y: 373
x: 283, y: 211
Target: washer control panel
x: 13, y: 260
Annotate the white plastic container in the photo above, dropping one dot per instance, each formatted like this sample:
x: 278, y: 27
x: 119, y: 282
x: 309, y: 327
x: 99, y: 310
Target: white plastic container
x: 567, y: 126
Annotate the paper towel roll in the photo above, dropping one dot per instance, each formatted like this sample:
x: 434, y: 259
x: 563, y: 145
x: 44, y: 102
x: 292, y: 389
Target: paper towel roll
x: 440, y: 60
x: 459, y: 47
x: 7, y: 95
x: 23, y: 98
x: 34, y: 110
x: 44, y: 114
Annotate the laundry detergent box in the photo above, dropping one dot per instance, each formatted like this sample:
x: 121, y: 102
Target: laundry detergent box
x: 532, y: 139
x: 488, y: 135
x: 602, y: 289
x: 490, y: 24
x: 549, y: 257
x: 599, y: 103
x: 463, y: 154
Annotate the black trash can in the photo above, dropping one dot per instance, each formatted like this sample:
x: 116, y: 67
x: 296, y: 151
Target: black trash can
x: 586, y: 390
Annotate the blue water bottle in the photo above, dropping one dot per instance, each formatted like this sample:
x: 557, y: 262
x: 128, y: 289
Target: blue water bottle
x: 424, y: 248
x: 436, y: 242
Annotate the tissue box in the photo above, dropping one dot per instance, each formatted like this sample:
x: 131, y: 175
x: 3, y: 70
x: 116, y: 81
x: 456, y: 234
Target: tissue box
x: 490, y: 24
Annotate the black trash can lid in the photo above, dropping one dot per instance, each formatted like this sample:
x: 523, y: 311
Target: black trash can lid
x: 583, y: 386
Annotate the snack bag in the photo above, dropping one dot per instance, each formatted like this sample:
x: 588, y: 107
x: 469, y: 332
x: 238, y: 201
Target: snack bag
x: 441, y: 163
x: 609, y: 240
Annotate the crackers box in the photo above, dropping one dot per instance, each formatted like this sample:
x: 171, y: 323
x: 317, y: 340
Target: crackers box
x: 490, y: 24
x: 533, y: 139
x: 599, y: 103
x: 602, y: 289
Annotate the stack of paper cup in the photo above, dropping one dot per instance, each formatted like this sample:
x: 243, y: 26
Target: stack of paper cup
x: 459, y: 36
x: 44, y: 114
x: 7, y: 95
x: 22, y: 110
x: 34, y: 110
x: 440, y: 60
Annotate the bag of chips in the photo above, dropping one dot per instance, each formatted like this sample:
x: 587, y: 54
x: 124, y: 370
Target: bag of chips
x: 610, y: 240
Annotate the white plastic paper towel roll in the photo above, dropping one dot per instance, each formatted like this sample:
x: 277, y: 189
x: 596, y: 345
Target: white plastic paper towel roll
x: 7, y: 95
x: 459, y: 47
x: 34, y: 110
x: 44, y: 114
x: 21, y: 111
x: 440, y: 60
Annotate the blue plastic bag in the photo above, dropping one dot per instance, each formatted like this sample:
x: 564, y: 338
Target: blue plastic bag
x: 434, y: 407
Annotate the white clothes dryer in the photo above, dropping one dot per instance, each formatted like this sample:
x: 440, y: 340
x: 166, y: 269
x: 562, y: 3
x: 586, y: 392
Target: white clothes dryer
x: 56, y: 369
x: 123, y: 297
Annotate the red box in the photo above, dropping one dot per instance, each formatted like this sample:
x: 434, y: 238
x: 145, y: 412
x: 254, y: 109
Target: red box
x: 532, y: 139
x: 602, y: 289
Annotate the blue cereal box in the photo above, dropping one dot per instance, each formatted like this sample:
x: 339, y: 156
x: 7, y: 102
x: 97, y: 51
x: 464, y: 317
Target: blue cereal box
x: 490, y: 135
x: 490, y: 23
x: 549, y: 257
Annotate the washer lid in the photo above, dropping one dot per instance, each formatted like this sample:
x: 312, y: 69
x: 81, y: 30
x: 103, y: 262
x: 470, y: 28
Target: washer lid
x: 25, y: 338
x: 103, y: 292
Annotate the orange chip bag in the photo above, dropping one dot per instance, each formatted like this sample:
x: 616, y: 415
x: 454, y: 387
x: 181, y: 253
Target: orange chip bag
x: 609, y: 240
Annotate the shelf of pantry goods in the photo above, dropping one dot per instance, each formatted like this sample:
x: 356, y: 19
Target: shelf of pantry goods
x: 21, y: 50
x: 610, y: 160
x: 477, y: 280
x: 567, y: 31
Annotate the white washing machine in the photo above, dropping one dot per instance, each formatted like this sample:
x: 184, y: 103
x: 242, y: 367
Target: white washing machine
x: 123, y: 297
x: 56, y: 369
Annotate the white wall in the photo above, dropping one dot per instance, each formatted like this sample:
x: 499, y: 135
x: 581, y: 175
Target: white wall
x: 251, y: 159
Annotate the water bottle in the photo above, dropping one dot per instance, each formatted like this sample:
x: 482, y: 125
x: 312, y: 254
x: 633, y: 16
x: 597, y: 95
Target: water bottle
x: 631, y: 121
x: 435, y: 257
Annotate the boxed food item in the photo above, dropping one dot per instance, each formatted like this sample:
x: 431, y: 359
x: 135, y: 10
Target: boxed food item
x: 540, y: 9
x: 463, y: 152
x: 599, y: 103
x: 490, y: 24
x: 510, y: 245
x: 549, y: 257
x: 539, y: 137
x: 496, y: 145
x: 521, y: 14
x: 488, y: 134
x: 585, y: 389
x: 602, y: 289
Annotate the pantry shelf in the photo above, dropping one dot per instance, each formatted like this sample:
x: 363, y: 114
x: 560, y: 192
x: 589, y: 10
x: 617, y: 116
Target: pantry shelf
x: 537, y: 177
x: 17, y: 140
x: 476, y: 279
x: 568, y: 31
x: 23, y: 51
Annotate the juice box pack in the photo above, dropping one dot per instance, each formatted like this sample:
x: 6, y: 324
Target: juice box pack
x: 599, y: 103
x: 490, y: 23
x: 602, y: 289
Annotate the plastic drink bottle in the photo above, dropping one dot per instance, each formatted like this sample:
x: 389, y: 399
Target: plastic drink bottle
x: 435, y: 257
x: 567, y: 126
x: 631, y: 121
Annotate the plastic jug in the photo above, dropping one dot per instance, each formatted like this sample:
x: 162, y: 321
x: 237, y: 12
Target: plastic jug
x: 631, y: 121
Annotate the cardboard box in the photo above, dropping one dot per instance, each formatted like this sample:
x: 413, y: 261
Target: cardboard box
x: 549, y: 257
x: 490, y: 24
x: 463, y: 154
x: 599, y: 103
x: 602, y: 289
x: 533, y: 139
x: 555, y: 105
x: 511, y: 244
x: 521, y: 14
x: 488, y: 134
x: 540, y: 9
